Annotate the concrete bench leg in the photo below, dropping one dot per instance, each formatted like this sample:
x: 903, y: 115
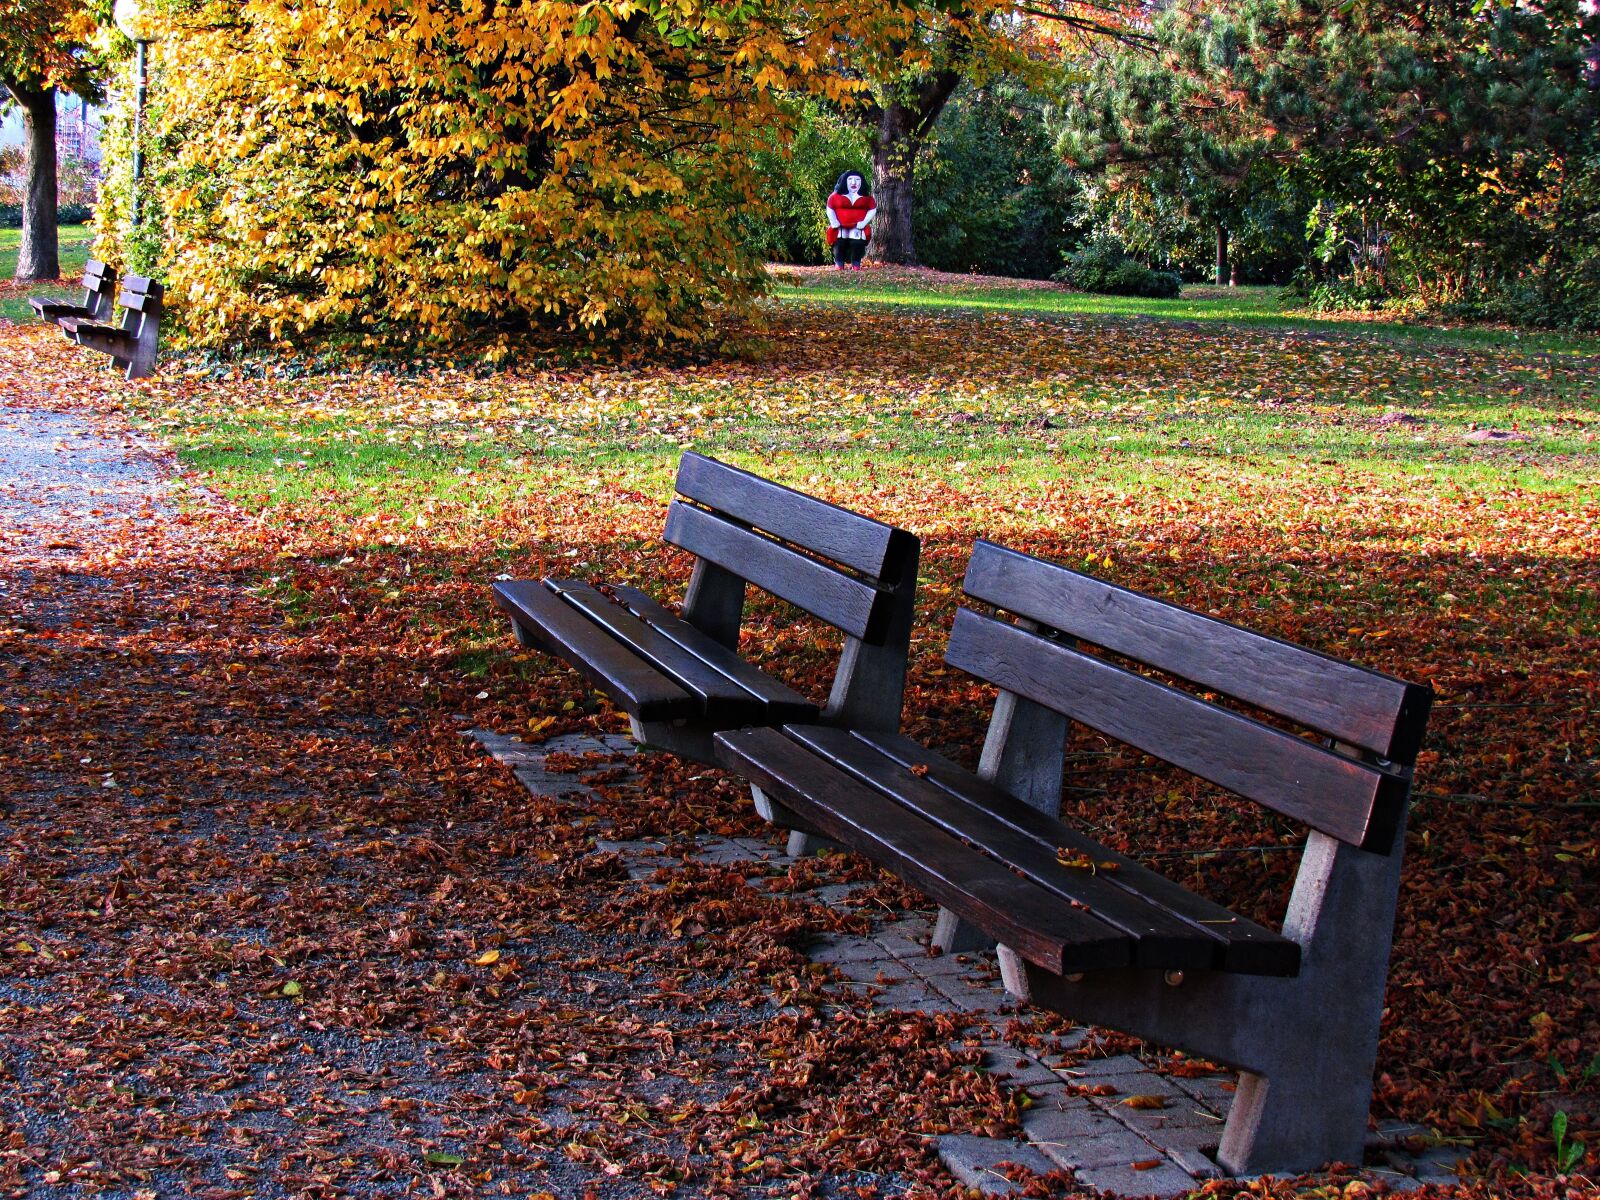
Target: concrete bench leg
x: 1305, y: 1047
x: 1023, y: 754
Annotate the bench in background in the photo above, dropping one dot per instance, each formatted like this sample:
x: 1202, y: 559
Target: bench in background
x: 99, y: 292
x: 1093, y: 934
x: 132, y: 344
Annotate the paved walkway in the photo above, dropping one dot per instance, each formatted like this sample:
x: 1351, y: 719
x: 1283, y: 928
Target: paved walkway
x: 1119, y: 1124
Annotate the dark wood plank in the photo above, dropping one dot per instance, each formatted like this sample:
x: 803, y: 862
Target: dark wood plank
x: 635, y: 685
x: 784, y: 704
x: 1247, y: 948
x: 136, y: 301
x: 877, y: 550
x: 1364, y: 708
x: 724, y: 702
x: 1016, y: 911
x: 1342, y: 797
x: 1161, y: 939
x: 842, y: 600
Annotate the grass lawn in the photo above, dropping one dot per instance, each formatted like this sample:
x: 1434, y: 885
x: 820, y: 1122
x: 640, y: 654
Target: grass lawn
x: 1422, y: 501
x: 74, y: 242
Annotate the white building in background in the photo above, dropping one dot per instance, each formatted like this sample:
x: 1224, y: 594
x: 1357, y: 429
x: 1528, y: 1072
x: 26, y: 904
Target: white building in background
x: 76, y: 119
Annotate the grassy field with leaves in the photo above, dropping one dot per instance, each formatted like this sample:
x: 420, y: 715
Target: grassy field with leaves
x: 1422, y: 501
x: 74, y: 244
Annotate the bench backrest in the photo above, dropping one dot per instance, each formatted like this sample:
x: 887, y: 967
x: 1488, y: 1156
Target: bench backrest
x: 844, y: 568
x: 99, y: 283
x: 1354, y: 788
x: 139, y: 295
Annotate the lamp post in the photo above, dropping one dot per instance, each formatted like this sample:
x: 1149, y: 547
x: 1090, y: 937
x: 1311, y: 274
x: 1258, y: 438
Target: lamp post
x: 135, y: 20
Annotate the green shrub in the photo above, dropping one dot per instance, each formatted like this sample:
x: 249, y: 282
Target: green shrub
x: 1106, y: 268
x: 67, y: 214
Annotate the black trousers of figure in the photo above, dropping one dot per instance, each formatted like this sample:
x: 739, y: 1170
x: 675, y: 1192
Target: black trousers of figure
x: 847, y: 252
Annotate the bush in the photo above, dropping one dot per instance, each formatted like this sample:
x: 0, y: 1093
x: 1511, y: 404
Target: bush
x: 1107, y: 269
x: 67, y: 214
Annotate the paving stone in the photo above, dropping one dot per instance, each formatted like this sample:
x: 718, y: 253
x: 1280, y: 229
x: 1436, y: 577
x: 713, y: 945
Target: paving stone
x: 953, y: 966
x: 884, y: 972
x: 916, y: 996
x: 1140, y: 1083
x: 973, y: 1160
x: 834, y: 894
x: 1068, y: 1121
x: 1119, y: 1064
x: 837, y: 949
x: 1199, y: 1164
x: 1016, y: 1068
x: 900, y: 944
x: 1119, y: 1149
x: 972, y: 1000
x: 1165, y: 1179
x: 1216, y: 1092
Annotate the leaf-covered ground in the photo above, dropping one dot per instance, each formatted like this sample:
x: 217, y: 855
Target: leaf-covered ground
x: 254, y: 874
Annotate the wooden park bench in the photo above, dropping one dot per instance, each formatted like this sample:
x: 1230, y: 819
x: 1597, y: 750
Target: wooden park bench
x: 132, y: 344
x: 99, y: 290
x: 681, y: 678
x: 1091, y: 933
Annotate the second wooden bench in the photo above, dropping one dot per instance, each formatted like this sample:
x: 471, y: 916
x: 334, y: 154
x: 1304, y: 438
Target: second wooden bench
x: 1091, y: 932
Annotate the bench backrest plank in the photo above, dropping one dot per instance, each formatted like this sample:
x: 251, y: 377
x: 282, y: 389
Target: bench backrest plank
x: 1358, y: 802
x: 1365, y: 708
x: 847, y: 569
x: 1343, y: 797
x: 842, y: 600
x: 871, y: 547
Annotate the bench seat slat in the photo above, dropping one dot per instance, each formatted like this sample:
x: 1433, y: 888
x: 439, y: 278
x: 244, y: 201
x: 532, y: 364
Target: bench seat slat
x: 1246, y: 948
x: 871, y: 547
x: 843, y: 601
x: 54, y: 310
x: 635, y: 685
x: 1345, y: 799
x: 723, y: 700
x: 783, y: 703
x: 1027, y: 917
x: 1161, y: 939
x: 1365, y: 708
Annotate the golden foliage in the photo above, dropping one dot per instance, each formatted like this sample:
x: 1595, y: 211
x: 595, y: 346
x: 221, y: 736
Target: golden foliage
x: 429, y: 169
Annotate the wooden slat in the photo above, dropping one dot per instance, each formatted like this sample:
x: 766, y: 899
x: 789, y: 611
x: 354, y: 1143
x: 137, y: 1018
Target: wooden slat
x: 723, y: 701
x: 1247, y: 948
x: 1161, y: 939
x: 877, y: 550
x: 823, y: 591
x: 635, y: 685
x: 1365, y: 708
x: 784, y: 704
x: 1344, y: 798
x: 1014, y: 910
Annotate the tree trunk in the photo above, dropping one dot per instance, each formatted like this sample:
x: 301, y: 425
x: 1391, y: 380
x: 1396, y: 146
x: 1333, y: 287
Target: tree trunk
x: 901, y: 126
x: 1224, y: 274
x: 894, y: 159
x: 38, y: 257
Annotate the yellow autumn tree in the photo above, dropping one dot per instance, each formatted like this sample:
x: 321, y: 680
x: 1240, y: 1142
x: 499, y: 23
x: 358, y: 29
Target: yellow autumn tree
x: 427, y: 170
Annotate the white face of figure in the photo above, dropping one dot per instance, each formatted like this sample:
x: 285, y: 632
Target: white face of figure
x: 852, y: 184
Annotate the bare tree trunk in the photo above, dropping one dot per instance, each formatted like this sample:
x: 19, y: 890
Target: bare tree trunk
x: 901, y: 127
x: 38, y: 257
x: 1224, y: 274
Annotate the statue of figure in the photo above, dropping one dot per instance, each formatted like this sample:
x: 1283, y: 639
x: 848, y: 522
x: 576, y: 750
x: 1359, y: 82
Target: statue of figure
x: 850, y: 212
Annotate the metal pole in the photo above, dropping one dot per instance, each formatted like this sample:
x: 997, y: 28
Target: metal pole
x: 141, y: 86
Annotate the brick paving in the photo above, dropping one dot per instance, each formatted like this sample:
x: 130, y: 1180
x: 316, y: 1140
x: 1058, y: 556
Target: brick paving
x: 1077, y: 1115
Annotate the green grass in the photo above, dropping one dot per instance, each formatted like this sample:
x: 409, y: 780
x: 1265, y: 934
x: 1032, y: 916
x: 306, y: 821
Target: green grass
x: 1264, y: 307
x: 73, y: 242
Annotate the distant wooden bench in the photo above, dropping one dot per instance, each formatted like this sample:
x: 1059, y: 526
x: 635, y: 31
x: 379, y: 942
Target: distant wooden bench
x: 99, y: 292
x: 132, y: 344
x: 680, y: 678
x: 1090, y: 932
